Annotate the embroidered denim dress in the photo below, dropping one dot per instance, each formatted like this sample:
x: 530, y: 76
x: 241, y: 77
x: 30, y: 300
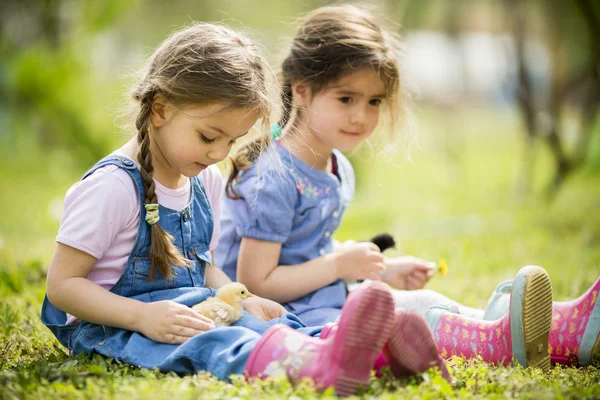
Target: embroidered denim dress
x: 287, y: 201
x: 222, y: 351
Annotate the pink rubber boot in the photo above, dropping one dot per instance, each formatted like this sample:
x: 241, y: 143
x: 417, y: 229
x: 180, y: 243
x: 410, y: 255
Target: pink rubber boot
x: 331, y: 328
x: 522, y: 332
x: 574, y: 337
x: 575, y: 333
x: 411, y: 348
x: 343, y: 361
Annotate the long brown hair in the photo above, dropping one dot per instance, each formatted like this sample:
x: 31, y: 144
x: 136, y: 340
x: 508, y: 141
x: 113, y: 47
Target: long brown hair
x: 199, y: 65
x: 331, y: 42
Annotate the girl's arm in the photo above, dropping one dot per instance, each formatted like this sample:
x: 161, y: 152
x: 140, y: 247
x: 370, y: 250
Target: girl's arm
x: 215, y: 277
x: 69, y: 290
x: 258, y: 261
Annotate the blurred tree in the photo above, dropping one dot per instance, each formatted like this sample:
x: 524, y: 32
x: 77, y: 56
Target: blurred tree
x: 571, y: 31
x: 46, y: 83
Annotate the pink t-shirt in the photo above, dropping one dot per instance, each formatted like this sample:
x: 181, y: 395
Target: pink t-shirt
x: 101, y: 217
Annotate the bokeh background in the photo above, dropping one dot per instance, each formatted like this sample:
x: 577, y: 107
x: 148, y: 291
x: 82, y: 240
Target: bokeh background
x: 505, y: 93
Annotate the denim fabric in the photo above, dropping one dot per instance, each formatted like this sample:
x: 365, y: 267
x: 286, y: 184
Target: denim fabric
x: 222, y: 351
x: 287, y: 201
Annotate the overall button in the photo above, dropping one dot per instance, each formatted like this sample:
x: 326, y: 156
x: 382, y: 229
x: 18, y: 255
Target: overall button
x: 127, y: 162
x: 186, y: 214
x: 327, y: 234
x: 322, y: 252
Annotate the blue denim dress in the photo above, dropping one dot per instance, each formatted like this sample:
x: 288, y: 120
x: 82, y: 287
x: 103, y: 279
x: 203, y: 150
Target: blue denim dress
x: 287, y: 201
x: 222, y: 351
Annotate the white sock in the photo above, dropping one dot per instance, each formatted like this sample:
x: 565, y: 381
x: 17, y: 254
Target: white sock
x: 421, y: 300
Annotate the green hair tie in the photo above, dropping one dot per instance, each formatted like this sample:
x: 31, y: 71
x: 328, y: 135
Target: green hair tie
x: 276, y: 131
x: 152, y: 213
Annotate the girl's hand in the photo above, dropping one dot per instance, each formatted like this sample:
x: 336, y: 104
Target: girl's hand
x: 262, y: 308
x: 408, y: 273
x: 358, y: 261
x: 170, y: 322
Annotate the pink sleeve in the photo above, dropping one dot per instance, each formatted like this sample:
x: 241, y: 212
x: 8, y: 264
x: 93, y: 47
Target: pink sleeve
x: 213, y: 183
x: 96, y: 209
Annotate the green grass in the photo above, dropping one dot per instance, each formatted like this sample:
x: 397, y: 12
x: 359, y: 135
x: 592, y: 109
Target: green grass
x: 457, y: 201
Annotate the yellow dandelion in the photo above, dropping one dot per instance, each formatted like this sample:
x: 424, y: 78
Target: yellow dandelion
x: 442, y: 267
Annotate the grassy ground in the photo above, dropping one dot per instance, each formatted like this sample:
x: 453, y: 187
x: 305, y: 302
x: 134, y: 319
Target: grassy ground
x: 458, y: 201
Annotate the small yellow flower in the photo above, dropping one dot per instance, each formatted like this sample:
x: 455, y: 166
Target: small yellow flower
x: 442, y: 267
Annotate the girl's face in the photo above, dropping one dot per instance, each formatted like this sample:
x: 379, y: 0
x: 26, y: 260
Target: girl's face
x: 345, y: 113
x: 187, y: 141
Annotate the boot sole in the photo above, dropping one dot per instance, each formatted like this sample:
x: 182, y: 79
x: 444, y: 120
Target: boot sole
x: 531, y: 329
x: 361, y: 335
x: 412, y: 348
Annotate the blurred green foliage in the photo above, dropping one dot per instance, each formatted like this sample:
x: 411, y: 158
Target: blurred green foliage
x: 49, y: 95
x: 63, y: 63
x: 65, y: 67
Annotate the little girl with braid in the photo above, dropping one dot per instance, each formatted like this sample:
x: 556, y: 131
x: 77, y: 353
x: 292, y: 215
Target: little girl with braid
x: 340, y: 75
x: 135, y: 243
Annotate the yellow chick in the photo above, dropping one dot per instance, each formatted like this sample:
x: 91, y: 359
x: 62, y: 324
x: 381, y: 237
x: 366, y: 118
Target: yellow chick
x: 226, y: 307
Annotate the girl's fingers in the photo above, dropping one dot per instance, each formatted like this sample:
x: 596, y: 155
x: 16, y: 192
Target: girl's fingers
x: 375, y: 271
x: 376, y: 257
x: 184, y: 331
x: 374, y: 276
x: 423, y: 265
x: 198, y: 324
x: 374, y: 247
x: 197, y: 315
x: 411, y: 283
x: 175, y: 339
x: 423, y: 276
x: 416, y: 281
x: 201, y: 317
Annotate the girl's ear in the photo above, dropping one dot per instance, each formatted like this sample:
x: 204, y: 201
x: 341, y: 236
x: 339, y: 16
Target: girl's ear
x: 302, y: 94
x: 161, y: 111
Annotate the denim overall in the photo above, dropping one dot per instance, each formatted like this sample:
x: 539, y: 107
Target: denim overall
x: 222, y: 351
